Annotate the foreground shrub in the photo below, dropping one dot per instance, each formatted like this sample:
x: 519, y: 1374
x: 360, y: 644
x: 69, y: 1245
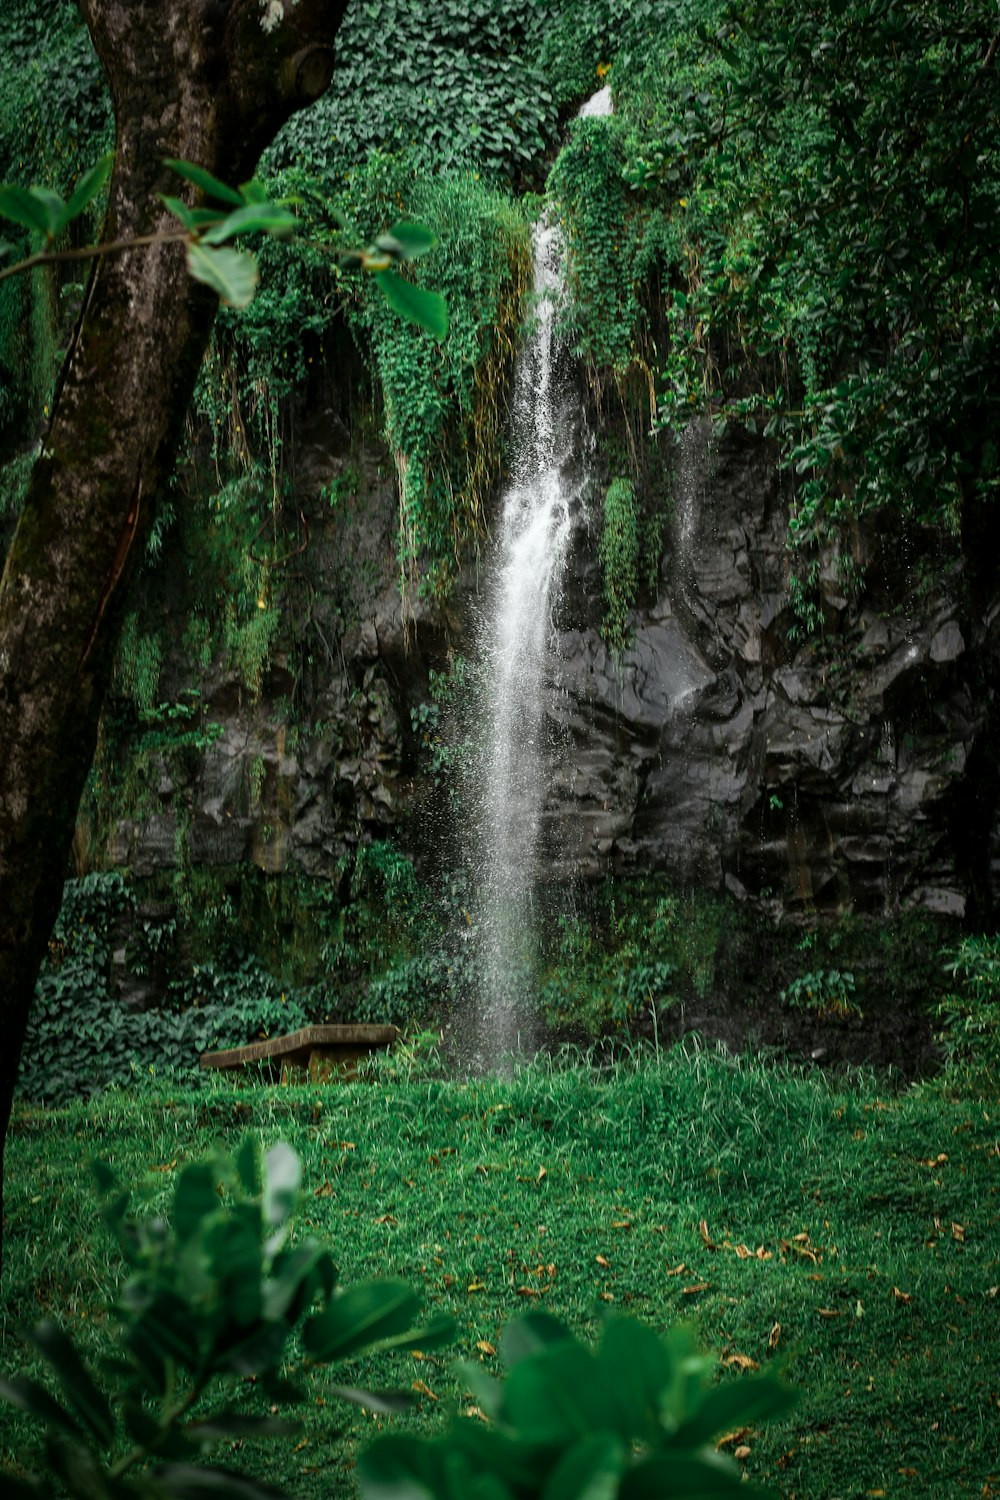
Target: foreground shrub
x: 212, y: 1298
x: 635, y: 1419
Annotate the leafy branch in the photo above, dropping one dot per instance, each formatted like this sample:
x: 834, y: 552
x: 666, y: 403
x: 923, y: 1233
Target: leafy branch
x: 223, y: 213
x: 212, y: 1297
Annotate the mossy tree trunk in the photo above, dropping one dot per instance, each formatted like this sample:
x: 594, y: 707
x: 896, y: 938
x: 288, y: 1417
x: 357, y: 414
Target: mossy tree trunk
x: 209, y: 81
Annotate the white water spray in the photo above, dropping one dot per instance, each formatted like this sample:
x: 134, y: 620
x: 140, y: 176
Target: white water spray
x: 521, y: 662
x: 520, y: 665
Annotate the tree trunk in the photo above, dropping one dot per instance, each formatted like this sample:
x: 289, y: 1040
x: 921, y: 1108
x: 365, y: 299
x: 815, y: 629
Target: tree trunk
x: 208, y: 81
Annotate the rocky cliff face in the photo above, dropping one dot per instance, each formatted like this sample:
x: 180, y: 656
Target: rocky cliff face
x: 853, y: 769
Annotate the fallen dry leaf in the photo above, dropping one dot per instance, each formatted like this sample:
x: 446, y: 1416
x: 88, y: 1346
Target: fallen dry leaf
x: 958, y: 1233
x: 774, y: 1336
x: 386, y: 1219
x: 602, y: 1262
x: 528, y: 1291
x: 606, y: 1296
x: 739, y: 1362
x: 742, y: 1252
x: 423, y: 1389
x: 621, y: 1224
x: 699, y: 1286
x: 541, y: 1174
x: 799, y: 1248
x: 933, y: 1161
x: 168, y: 1166
x: 324, y: 1191
x: 742, y: 1452
x: 485, y: 1347
x: 476, y: 1286
x: 706, y: 1238
x: 829, y: 1312
x: 475, y: 1411
x: 901, y: 1296
x: 732, y: 1437
x: 678, y: 1270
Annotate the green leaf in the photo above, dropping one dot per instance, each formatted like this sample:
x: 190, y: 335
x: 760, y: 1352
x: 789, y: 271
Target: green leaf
x: 104, y: 1177
x: 6, y: 248
x: 194, y: 219
x: 234, y: 1257
x: 406, y: 240
x: 404, y: 1468
x: 252, y: 217
x: 257, y: 1354
x: 254, y: 192
x: 531, y: 1334
x: 486, y: 1390
x: 739, y: 1402
x: 167, y: 1329
x: 282, y: 1178
x: 195, y: 1197
x: 235, y: 1424
x: 87, y: 188
x: 248, y: 1165
x: 84, y: 1396
x: 635, y: 1367
x: 185, y: 1482
x: 24, y: 207
x: 386, y: 1402
x: 54, y: 208
x: 414, y: 303
x: 437, y: 1331
x: 373, y: 1312
x: 360, y: 1317
x: 28, y: 1396
x: 554, y: 1398
x: 209, y: 185
x: 299, y: 1277
x: 231, y: 273
x: 589, y: 1471
x: 683, y: 1476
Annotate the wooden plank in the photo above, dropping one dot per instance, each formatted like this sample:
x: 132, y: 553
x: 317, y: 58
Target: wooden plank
x: 297, y: 1047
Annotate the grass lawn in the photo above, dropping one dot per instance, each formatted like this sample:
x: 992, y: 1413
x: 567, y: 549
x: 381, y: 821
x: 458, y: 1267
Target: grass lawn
x: 850, y: 1234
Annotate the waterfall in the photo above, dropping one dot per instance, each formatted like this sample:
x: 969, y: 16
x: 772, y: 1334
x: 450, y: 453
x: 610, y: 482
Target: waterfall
x: 519, y: 661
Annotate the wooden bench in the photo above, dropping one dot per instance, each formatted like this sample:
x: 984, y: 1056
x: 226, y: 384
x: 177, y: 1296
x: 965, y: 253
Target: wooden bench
x: 321, y: 1052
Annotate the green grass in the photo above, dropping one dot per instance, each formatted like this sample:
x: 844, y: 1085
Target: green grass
x: 575, y: 1190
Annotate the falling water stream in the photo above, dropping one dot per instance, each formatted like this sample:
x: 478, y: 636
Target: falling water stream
x: 517, y: 648
x: 518, y: 645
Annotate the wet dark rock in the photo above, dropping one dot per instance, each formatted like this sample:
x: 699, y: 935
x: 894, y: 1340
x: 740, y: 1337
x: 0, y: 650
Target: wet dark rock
x: 721, y: 749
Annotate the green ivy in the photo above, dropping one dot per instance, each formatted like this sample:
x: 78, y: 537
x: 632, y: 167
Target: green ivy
x: 619, y: 554
x: 443, y: 404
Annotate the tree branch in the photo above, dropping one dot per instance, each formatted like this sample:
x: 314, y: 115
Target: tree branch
x: 92, y: 252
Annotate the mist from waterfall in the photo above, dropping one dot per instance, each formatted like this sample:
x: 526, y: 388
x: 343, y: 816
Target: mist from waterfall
x: 517, y: 648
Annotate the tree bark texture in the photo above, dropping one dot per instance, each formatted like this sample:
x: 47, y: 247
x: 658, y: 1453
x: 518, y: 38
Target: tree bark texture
x: 208, y: 81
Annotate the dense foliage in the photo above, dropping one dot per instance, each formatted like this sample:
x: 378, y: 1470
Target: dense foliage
x: 212, y: 1298
x: 788, y: 222
x: 792, y: 219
